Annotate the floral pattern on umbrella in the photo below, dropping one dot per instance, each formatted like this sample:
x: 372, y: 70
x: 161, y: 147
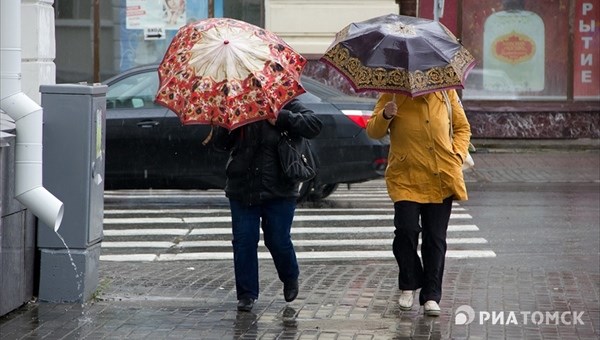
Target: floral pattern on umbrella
x: 395, y: 53
x: 227, y: 72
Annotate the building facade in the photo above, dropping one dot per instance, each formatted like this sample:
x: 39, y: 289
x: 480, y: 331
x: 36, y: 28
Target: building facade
x: 537, y: 74
x: 538, y: 63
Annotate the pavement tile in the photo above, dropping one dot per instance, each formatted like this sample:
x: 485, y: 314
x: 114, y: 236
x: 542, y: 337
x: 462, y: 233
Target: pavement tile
x: 323, y: 311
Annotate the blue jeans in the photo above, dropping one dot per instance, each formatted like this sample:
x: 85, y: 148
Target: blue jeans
x: 275, y: 217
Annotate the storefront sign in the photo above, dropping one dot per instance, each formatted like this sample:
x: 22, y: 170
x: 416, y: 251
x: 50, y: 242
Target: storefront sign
x: 154, y: 33
x: 586, y: 61
x: 514, y: 44
x: 514, y: 48
x: 142, y: 14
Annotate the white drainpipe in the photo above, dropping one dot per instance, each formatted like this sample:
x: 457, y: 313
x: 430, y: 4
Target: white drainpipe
x: 28, y: 116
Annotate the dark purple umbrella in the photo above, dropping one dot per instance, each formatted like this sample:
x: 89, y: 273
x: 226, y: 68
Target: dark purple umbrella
x: 395, y: 53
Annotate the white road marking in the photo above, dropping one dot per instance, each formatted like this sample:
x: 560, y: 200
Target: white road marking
x: 300, y: 255
x: 227, y: 211
x: 216, y: 219
x: 143, y: 232
x: 295, y: 230
x: 300, y: 243
x: 138, y: 244
x: 130, y: 257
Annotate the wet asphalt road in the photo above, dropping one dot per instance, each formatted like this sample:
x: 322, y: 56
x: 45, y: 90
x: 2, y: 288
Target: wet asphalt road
x: 548, y: 225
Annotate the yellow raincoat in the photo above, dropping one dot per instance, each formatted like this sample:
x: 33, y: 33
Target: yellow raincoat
x: 424, y: 166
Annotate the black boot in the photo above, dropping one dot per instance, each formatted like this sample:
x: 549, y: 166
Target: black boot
x: 245, y: 304
x: 290, y: 290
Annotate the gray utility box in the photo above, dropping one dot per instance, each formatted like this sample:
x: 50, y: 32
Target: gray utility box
x: 73, y: 156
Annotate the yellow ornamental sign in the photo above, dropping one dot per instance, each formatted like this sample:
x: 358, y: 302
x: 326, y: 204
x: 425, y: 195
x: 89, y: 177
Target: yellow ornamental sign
x: 513, y: 48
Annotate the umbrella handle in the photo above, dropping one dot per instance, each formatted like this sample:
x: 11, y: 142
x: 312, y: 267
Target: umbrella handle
x: 209, y: 137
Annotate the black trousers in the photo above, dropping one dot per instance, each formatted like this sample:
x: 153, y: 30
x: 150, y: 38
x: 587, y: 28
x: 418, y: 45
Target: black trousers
x: 431, y: 219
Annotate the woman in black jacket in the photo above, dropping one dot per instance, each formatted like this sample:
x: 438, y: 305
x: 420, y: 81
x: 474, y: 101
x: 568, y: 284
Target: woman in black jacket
x: 261, y: 196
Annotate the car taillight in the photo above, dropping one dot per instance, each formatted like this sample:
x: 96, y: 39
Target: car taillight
x: 359, y: 117
x: 380, y: 164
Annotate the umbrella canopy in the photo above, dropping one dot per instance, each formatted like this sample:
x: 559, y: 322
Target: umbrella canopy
x: 395, y: 53
x: 228, y: 72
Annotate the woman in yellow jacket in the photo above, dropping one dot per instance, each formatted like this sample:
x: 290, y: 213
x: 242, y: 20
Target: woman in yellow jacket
x: 424, y: 175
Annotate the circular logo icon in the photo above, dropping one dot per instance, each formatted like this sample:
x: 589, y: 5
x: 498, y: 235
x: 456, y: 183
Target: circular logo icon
x: 464, y: 315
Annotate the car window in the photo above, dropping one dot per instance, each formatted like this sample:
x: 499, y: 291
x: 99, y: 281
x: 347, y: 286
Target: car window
x: 319, y: 89
x: 308, y: 97
x: 135, y: 91
x: 328, y: 93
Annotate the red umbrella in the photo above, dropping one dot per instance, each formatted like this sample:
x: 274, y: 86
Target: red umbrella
x: 228, y: 72
x: 395, y: 53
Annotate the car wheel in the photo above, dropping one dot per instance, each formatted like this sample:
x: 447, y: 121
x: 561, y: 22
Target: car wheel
x: 328, y: 189
x: 322, y: 192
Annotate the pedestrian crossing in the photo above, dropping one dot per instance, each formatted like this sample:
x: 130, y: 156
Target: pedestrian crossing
x: 354, y: 223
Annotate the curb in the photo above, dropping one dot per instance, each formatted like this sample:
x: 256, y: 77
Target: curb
x: 528, y: 145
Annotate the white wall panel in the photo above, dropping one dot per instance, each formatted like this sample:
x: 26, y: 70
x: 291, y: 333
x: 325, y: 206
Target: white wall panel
x: 309, y: 26
x: 38, y: 46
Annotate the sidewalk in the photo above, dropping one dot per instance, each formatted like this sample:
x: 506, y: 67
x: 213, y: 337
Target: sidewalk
x: 342, y: 300
x: 182, y: 300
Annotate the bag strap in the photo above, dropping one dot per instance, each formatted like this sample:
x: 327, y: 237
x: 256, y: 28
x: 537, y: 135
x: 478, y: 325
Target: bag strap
x: 449, y: 109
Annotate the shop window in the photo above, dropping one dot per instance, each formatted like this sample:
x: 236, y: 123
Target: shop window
x: 520, y: 54
x: 72, y: 9
x: 250, y: 11
x: 138, y: 16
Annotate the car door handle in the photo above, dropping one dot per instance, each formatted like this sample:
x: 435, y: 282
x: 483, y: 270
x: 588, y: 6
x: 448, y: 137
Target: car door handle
x: 147, y: 123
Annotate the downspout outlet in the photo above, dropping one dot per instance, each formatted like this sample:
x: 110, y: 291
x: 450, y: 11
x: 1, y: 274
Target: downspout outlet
x: 28, y: 160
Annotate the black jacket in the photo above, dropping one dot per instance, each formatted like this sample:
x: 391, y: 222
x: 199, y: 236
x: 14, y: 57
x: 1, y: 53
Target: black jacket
x: 253, y: 171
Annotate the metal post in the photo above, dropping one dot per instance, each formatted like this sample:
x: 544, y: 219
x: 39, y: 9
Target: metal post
x: 96, y: 11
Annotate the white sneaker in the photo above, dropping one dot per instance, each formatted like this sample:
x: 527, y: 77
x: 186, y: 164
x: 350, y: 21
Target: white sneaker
x: 406, y: 299
x: 431, y: 308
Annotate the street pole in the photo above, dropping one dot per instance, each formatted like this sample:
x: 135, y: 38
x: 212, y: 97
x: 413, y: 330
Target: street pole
x: 96, y: 46
x: 211, y: 8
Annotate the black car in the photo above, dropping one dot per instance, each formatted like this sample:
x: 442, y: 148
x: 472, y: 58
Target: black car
x: 148, y: 147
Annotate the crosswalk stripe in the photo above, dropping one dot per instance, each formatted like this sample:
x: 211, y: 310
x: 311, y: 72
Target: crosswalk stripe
x: 331, y: 230
x: 138, y: 244
x: 130, y: 257
x: 300, y: 255
x: 227, y: 211
x: 143, y: 232
x: 175, y: 194
x: 336, y: 242
x: 162, y: 195
x: 295, y: 230
x: 298, y: 218
x: 300, y: 243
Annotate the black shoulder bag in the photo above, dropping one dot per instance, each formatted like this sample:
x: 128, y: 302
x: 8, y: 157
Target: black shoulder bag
x: 298, y: 161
